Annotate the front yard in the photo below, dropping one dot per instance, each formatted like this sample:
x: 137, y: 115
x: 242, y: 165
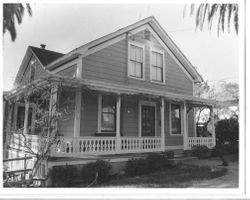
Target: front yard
x: 201, y: 173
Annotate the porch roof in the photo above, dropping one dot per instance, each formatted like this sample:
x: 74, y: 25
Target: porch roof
x: 107, y: 87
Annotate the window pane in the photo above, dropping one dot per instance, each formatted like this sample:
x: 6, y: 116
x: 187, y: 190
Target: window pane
x: 132, y: 52
x: 159, y: 74
x: 154, y: 58
x: 153, y: 71
x: 138, y: 70
x: 176, y: 119
x: 139, y: 54
x: 108, y: 121
x: 159, y: 60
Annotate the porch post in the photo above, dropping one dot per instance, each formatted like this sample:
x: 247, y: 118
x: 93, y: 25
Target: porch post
x: 8, y: 134
x: 53, y: 102
x: 26, y: 117
x: 163, y: 124
x: 118, y: 121
x: 78, y: 104
x: 185, y: 137
x: 213, y: 128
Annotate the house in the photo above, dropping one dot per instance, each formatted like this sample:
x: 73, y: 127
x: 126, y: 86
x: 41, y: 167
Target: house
x: 132, y: 93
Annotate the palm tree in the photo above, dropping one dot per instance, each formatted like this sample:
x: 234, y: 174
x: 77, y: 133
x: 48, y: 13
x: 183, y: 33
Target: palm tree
x: 209, y: 12
x: 12, y: 12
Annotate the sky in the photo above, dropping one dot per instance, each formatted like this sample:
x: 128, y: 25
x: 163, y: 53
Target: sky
x: 64, y: 27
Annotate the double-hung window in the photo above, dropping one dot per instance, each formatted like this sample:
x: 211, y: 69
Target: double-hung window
x: 157, y: 66
x: 136, y: 61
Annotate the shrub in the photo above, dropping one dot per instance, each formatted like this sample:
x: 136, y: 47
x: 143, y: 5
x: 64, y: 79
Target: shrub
x: 169, y: 154
x: 201, y: 151
x: 63, y: 175
x: 153, y: 162
x: 136, y: 167
x: 227, y: 131
x: 225, y: 149
x: 100, y: 167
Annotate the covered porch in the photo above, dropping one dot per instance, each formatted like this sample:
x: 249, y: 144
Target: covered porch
x: 139, y: 122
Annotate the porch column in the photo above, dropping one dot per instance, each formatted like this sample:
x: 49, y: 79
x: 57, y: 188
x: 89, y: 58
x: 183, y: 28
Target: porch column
x: 163, y: 124
x: 78, y: 105
x: 53, y: 104
x: 118, y: 123
x: 26, y: 117
x: 213, y: 128
x: 185, y: 136
x: 8, y: 134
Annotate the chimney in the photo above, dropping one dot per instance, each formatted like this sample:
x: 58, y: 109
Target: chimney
x: 42, y: 46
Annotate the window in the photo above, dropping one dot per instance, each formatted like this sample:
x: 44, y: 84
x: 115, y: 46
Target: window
x: 136, y: 64
x: 108, y: 114
x: 175, y: 119
x: 20, y: 116
x: 32, y: 69
x: 157, y: 67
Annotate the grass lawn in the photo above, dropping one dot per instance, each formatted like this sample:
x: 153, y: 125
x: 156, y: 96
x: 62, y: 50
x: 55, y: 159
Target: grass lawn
x: 179, y: 176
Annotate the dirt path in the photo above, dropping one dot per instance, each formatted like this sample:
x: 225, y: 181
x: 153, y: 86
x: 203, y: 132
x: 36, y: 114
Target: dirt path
x: 230, y: 180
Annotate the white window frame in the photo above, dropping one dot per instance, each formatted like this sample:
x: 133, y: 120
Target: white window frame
x: 153, y: 49
x: 143, y: 59
x: 99, y: 123
x: 170, y: 119
x: 146, y: 103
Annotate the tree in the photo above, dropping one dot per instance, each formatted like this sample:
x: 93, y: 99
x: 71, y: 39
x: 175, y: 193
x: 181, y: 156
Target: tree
x: 45, y: 102
x: 11, y: 13
x: 208, y: 12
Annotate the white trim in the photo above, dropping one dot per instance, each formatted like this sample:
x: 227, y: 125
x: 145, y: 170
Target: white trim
x: 79, y: 67
x: 99, y: 114
x: 173, y: 147
x: 64, y: 66
x: 140, y: 45
x: 162, y: 123
x: 78, y: 107
x: 153, y: 49
x: 185, y: 136
x: 146, y: 103
x: 170, y: 119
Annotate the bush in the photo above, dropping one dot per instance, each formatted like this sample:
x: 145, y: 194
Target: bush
x: 227, y: 131
x: 153, y: 162
x: 225, y: 149
x: 201, y: 151
x: 63, y: 175
x: 169, y: 154
x: 100, y: 167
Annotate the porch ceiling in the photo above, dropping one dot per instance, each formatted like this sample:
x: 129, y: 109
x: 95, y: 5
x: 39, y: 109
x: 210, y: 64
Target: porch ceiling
x: 107, y: 87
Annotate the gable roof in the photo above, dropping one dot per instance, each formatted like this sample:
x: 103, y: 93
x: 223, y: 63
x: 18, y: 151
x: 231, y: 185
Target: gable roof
x: 154, y: 25
x: 44, y: 56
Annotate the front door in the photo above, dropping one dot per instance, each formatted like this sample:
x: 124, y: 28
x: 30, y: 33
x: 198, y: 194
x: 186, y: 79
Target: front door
x: 147, y: 120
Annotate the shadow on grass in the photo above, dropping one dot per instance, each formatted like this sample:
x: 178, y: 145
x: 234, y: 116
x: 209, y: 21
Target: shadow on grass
x: 180, y: 176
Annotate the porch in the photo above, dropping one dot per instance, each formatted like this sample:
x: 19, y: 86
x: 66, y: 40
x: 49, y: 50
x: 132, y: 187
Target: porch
x: 139, y: 120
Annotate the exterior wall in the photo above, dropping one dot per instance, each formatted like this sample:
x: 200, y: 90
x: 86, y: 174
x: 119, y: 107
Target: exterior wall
x: 170, y: 140
x: 191, y: 123
x: 39, y: 72
x: 67, y: 107
x: 89, y: 113
x: 110, y: 65
x: 71, y: 71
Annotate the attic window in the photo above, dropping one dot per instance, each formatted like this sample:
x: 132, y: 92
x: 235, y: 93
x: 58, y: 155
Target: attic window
x: 32, y: 69
x: 147, y: 35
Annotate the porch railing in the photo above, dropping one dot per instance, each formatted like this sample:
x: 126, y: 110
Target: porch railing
x: 194, y: 141
x: 70, y: 146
